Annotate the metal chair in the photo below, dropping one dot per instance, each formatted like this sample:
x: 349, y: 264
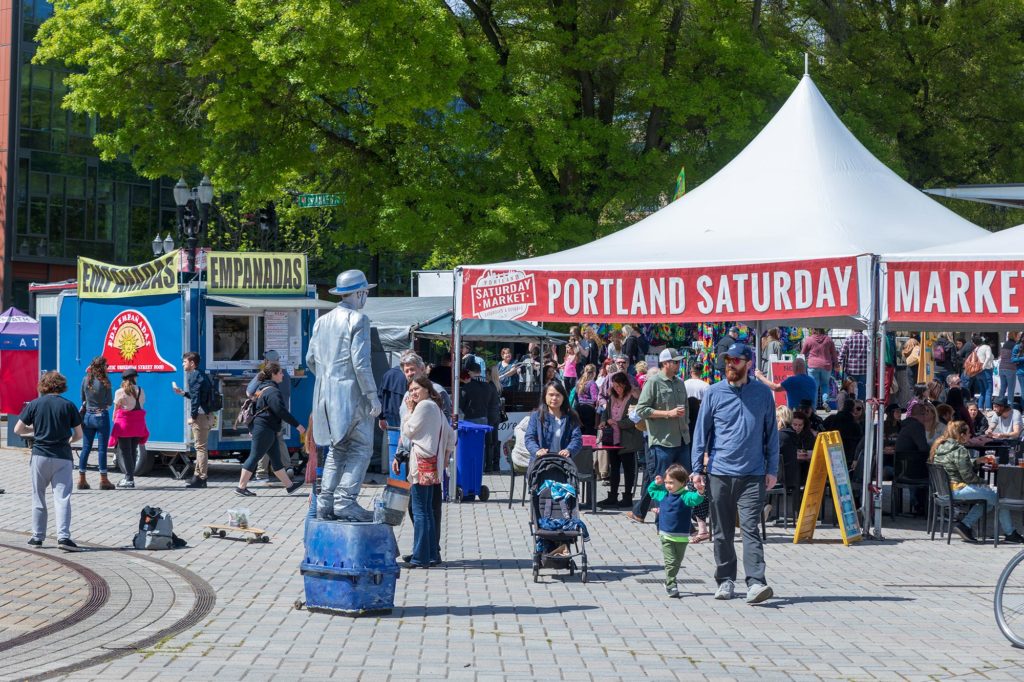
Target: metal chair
x: 1010, y: 489
x: 901, y: 482
x: 778, y: 491
x: 513, y: 472
x: 941, y: 493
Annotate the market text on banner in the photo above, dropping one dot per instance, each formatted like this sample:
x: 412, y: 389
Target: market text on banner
x: 828, y: 287
x: 828, y: 463
x: 249, y: 273
x: 943, y: 291
x: 101, y: 280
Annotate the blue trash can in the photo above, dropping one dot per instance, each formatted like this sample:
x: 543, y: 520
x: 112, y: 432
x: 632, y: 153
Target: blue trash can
x: 394, y: 433
x: 469, y: 461
x: 350, y: 568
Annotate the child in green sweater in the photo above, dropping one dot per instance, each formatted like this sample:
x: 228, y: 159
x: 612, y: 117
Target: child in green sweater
x: 675, y: 503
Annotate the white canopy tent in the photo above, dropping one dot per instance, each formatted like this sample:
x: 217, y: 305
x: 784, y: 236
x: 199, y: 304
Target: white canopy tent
x: 782, y: 234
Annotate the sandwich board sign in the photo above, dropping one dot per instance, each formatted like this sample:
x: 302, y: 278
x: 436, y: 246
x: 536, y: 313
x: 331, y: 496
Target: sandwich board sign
x: 828, y: 463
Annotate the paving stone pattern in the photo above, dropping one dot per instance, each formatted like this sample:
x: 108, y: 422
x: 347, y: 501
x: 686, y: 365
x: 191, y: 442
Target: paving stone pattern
x: 905, y: 608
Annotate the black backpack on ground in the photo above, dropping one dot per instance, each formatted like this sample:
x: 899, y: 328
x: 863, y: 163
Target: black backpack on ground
x: 156, y: 531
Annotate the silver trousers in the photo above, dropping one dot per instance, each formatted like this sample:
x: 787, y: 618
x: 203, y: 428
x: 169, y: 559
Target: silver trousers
x: 345, y: 467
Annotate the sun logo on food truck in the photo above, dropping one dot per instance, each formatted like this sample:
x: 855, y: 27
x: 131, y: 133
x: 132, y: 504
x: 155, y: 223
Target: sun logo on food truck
x: 503, y: 295
x: 129, y: 342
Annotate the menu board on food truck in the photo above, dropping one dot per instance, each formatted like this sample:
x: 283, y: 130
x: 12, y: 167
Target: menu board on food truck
x: 256, y: 273
x: 276, y: 335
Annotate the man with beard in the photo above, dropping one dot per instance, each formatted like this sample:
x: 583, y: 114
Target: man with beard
x: 736, y: 429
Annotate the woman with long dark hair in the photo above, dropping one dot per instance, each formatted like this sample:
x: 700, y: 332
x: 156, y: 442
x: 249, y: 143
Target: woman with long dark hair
x: 270, y: 412
x: 96, y: 401
x: 628, y: 439
x: 129, y: 430
x: 554, y: 427
x: 431, y: 441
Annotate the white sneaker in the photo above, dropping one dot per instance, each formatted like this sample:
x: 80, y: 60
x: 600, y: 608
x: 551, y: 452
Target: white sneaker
x: 725, y: 590
x: 125, y: 483
x: 758, y: 593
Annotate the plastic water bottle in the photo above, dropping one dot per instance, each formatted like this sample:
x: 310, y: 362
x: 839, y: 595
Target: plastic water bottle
x: 378, y: 509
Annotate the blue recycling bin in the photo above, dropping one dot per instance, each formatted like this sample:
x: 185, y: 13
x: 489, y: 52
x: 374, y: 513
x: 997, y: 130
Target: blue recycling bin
x: 349, y: 568
x: 393, y: 434
x: 469, y: 461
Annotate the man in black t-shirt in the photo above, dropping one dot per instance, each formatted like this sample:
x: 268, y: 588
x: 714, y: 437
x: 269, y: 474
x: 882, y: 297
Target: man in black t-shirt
x: 53, y: 422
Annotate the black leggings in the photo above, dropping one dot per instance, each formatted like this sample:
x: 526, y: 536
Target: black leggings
x: 627, y: 460
x: 264, y: 441
x: 127, y: 448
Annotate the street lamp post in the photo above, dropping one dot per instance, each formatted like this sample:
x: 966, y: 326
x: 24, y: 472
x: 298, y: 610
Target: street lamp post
x: 193, y: 213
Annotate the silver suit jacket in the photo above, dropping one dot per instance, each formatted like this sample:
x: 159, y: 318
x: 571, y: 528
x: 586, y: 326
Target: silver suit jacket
x: 339, y: 358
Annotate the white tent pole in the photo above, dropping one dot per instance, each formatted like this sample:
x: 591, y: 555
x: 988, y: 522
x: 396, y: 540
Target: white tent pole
x: 880, y: 432
x: 871, y: 411
x: 456, y: 348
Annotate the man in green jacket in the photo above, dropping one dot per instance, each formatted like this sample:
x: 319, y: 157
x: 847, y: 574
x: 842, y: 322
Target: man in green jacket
x: 663, y: 405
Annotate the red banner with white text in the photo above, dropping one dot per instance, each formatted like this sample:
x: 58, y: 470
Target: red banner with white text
x: 791, y: 290
x: 975, y: 292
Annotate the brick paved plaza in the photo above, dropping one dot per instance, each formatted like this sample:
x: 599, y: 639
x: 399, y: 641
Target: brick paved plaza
x: 907, y: 608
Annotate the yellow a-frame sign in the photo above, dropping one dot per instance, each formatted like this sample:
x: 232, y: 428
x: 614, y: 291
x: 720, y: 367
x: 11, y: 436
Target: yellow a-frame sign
x: 828, y: 458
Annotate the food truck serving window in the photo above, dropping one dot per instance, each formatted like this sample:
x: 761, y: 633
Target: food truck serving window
x: 237, y: 338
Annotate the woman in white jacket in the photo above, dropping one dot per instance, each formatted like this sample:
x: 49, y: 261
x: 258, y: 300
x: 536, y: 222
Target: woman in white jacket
x: 431, y: 440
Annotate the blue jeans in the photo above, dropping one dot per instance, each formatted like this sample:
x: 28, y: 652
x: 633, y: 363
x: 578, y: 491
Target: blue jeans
x: 659, y: 458
x: 1007, y: 383
x: 425, y: 547
x: 862, y: 385
x: 983, y: 382
x: 92, y: 426
x: 821, y: 377
x: 982, y: 493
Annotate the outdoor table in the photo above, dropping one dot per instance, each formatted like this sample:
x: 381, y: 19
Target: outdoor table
x: 1010, y: 489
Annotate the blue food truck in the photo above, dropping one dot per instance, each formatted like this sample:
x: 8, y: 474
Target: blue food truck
x: 243, y: 305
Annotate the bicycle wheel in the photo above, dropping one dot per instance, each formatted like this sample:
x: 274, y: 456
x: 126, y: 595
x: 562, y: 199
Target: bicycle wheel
x: 1009, y: 601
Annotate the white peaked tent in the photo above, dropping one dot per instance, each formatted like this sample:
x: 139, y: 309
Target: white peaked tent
x: 793, y: 210
x: 783, y: 234
x: 973, y: 284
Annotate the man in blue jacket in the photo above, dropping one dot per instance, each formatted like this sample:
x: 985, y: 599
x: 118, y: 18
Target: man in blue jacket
x: 737, y: 431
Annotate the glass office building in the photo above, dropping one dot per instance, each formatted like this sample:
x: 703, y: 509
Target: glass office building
x: 59, y: 200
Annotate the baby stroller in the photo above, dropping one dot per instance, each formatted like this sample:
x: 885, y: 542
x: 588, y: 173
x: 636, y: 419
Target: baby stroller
x: 558, y: 534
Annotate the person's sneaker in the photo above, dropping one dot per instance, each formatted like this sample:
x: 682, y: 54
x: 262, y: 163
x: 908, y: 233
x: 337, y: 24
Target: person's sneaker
x: 725, y: 590
x: 672, y: 592
x: 965, y: 533
x: 1014, y: 538
x: 125, y: 483
x: 261, y: 478
x: 354, y: 513
x: 295, y: 486
x: 327, y: 515
x: 244, y: 492
x: 67, y: 544
x: 35, y: 542
x: 758, y: 593
x: 196, y: 483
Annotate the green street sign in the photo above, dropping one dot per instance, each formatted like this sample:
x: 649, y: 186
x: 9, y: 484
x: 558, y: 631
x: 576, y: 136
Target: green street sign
x: 318, y: 200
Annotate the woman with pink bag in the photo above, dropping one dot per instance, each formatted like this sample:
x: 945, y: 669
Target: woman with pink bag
x: 129, y: 430
x: 431, y: 441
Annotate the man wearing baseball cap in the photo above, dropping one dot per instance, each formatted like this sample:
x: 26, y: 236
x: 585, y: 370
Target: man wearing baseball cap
x: 736, y: 429
x: 663, y: 404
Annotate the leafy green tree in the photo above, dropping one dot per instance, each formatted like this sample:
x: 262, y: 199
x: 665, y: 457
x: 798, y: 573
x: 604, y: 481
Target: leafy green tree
x: 931, y: 85
x: 505, y: 127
